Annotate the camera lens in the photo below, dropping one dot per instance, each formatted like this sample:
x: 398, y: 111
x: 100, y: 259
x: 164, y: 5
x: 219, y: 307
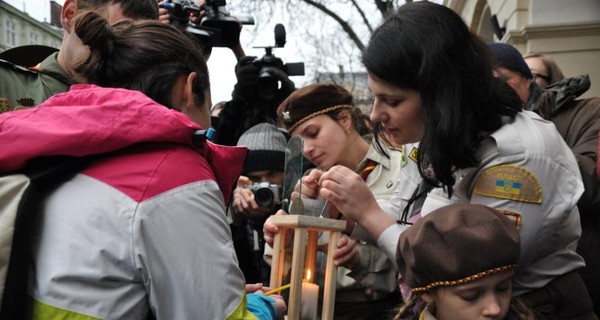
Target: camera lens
x: 264, y: 197
x: 267, y: 84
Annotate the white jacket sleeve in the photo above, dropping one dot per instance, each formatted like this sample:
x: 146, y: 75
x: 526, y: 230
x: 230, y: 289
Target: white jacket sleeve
x: 184, y: 251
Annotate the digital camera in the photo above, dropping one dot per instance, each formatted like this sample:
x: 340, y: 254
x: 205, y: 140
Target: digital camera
x: 266, y: 195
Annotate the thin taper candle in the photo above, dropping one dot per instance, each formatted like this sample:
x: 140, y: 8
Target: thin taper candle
x: 270, y: 292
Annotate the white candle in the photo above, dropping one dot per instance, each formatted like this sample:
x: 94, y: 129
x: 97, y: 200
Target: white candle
x: 309, y: 301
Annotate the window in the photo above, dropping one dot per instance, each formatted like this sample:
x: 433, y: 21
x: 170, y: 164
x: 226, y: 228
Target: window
x: 34, y: 37
x: 11, y: 33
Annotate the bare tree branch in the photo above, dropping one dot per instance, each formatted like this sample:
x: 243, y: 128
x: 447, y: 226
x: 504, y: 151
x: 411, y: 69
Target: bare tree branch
x: 363, y: 16
x: 345, y: 26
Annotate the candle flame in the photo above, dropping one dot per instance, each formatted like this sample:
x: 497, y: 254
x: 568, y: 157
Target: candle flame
x: 308, y: 274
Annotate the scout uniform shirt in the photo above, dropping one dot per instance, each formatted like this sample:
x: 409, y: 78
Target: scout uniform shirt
x: 528, y: 173
x: 27, y: 87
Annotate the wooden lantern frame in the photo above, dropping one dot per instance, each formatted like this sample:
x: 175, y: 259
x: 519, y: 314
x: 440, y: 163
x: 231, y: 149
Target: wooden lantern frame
x: 306, y: 229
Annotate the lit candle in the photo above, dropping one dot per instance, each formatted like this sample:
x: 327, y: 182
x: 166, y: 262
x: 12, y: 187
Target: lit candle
x: 309, y: 299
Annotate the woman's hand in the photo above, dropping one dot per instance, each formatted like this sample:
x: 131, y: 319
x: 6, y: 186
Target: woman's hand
x: 348, y: 192
x: 269, y: 229
x: 279, y: 305
x: 279, y: 302
x: 346, y: 254
x: 310, y: 185
x: 254, y: 287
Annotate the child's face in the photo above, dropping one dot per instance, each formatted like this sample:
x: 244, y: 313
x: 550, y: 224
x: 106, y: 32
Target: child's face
x: 485, y: 298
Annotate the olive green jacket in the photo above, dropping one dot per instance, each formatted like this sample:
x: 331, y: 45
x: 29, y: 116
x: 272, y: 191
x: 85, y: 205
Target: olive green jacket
x: 28, y: 87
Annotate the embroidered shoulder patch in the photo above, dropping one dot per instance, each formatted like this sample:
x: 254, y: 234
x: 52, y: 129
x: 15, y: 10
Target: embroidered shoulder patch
x: 413, y: 154
x: 509, y: 182
x: 4, y: 105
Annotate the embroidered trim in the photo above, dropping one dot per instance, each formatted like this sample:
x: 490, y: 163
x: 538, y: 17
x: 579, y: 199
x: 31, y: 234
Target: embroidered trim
x: 513, y: 216
x: 463, y: 280
x: 314, y: 114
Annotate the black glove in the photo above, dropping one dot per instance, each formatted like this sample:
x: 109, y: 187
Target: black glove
x: 270, y: 89
x: 246, y: 74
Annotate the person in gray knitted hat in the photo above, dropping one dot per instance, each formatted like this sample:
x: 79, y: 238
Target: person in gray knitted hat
x: 256, y: 196
x: 266, y: 144
x: 459, y: 261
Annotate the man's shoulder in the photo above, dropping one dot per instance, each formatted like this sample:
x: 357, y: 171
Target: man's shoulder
x: 15, y: 86
x: 7, y: 68
x: 27, y: 87
x: 589, y: 102
x: 587, y: 109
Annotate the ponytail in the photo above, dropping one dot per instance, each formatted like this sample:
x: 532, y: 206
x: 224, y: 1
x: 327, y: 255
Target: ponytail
x: 94, y: 32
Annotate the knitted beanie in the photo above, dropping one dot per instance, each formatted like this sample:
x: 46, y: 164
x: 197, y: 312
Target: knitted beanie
x: 455, y: 245
x: 311, y: 101
x: 266, y: 144
x: 507, y: 56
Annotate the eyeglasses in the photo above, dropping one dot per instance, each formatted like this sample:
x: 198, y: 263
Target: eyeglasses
x: 538, y: 75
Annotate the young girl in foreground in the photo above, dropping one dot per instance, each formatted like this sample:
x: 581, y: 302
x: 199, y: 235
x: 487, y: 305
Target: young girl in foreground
x: 459, y: 262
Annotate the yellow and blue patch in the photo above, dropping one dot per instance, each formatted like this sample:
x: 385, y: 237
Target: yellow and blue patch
x: 509, y: 182
x: 508, y: 186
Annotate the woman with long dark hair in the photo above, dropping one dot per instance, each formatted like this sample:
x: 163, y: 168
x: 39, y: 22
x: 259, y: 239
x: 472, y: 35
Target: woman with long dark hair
x: 432, y: 83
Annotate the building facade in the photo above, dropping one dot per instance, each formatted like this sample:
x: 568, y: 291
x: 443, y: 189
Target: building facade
x: 567, y: 31
x: 18, y: 29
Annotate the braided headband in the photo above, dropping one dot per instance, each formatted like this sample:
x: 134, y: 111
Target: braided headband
x: 314, y: 114
x: 463, y: 280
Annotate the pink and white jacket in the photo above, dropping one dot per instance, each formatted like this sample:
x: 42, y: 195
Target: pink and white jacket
x: 140, y: 230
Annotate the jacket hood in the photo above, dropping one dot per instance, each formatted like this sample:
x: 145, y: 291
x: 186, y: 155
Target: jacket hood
x: 90, y: 120
x: 554, y: 97
x: 568, y: 90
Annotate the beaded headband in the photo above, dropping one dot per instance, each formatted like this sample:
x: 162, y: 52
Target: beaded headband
x: 463, y: 280
x: 286, y: 116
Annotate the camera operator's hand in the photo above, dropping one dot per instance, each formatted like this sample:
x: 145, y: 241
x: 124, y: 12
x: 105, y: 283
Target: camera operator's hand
x: 163, y: 14
x: 202, y: 5
x: 244, y: 203
x: 247, y: 75
x: 287, y: 85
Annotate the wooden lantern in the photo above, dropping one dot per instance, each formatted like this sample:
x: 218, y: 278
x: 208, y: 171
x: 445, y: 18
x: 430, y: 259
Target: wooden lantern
x: 306, y: 230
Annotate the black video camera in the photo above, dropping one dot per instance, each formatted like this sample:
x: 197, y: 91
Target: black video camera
x: 267, y: 83
x: 216, y: 29
x: 224, y: 29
